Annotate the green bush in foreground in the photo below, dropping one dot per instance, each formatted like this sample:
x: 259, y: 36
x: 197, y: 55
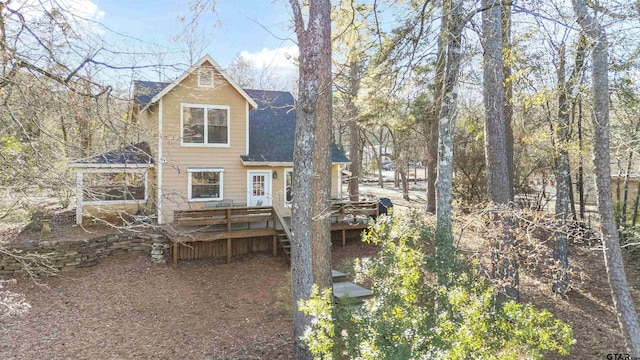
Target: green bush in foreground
x: 412, y: 317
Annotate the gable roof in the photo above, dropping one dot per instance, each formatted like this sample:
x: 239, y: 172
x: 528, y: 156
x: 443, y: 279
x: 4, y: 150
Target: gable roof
x: 272, y: 129
x: 134, y: 154
x: 169, y: 86
x: 144, y: 91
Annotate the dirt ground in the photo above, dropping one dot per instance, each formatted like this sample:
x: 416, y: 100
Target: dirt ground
x: 127, y: 307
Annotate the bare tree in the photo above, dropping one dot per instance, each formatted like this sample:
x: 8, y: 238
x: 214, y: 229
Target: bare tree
x: 627, y: 316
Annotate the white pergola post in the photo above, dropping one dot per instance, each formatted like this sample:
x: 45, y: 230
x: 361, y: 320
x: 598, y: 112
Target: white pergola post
x: 79, y: 196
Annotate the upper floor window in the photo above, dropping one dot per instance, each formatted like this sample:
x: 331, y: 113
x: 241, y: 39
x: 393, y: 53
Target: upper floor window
x: 205, y: 77
x: 205, y: 125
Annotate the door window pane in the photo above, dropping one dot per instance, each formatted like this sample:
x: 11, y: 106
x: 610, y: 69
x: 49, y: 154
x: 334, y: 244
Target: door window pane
x: 258, y: 185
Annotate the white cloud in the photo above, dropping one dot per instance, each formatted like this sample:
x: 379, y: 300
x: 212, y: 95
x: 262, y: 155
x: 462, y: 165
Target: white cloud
x: 279, y: 59
x: 83, y: 9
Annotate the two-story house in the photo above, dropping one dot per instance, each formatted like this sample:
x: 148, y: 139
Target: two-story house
x: 203, y: 142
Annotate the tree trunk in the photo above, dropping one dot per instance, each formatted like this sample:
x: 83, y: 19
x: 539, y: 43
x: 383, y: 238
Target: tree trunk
x: 495, y: 144
x: 581, y: 163
x: 379, y: 159
x: 321, y: 226
x: 508, y: 93
x: 574, y: 81
x: 354, y: 133
x: 625, y: 195
x: 4, y: 58
x: 403, y: 177
x: 432, y: 147
x: 446, y: 126
x: 635, y: 206
x: 498, y: 184
x: 627, y: 316
x: 313, y: 87
x: 563, y: 182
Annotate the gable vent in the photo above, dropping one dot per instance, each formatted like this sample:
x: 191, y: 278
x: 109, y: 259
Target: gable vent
x: 205, y: 77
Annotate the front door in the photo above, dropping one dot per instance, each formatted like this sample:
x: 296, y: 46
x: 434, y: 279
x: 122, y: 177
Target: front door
x: 259, y: 185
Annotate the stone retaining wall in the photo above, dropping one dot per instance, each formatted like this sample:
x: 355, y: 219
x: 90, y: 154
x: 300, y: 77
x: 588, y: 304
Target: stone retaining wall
x: 50, y: 257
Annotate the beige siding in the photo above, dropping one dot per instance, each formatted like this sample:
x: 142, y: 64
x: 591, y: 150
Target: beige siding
x: 180, y: 158
x: 278, y: 190
x: 335, y: 170
x: 148, y: 128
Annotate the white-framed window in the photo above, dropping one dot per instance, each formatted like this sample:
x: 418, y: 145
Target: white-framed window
x: 288, y: 187
x: 205, y: 77
x: 204, y: 125
x: 111, y: 186
x: 205, y: 184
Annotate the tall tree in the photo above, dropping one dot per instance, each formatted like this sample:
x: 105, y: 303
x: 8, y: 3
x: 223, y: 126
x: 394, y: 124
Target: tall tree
x: 498, y: 183
x: 563, y: 172
x: 354, y: 133
x: 309, y: 157
x: 352, y: 44
x: 446, y: 125
x: 432, y: 146
x: 627, y: 316
x: 508, y: 92
x: 563, y: 181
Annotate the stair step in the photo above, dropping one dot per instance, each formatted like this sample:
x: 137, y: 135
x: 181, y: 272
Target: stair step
x: 339, y: 276
x: 346, y: 291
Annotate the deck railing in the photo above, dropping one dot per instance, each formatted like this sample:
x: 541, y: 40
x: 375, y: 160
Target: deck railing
x: 207, y: 225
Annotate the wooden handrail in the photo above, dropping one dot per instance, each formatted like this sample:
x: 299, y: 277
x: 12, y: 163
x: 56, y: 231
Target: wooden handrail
x: 285, y: 227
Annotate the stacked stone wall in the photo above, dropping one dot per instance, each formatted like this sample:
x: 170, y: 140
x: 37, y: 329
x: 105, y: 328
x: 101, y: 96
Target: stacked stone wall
x: 52, y: 257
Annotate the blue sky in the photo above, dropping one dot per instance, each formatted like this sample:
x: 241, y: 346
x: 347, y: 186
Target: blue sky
x: 259, y: 29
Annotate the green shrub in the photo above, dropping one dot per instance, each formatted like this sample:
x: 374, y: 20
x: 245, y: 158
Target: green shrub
x: 412, y: 317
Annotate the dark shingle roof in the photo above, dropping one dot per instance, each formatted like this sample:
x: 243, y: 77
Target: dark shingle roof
x: 133, y: 154
x: 272, y: 128
x: 272, y: 125
x: 144, y: 91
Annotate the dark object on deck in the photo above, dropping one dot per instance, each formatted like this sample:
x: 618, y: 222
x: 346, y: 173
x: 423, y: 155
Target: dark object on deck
x: 384, y: 206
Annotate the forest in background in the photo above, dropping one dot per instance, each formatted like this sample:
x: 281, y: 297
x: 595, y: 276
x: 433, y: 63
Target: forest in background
x: 501, y: 97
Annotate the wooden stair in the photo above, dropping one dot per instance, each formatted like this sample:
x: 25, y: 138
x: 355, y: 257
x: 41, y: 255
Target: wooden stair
x: 346, y: 292
x: 284, y: 243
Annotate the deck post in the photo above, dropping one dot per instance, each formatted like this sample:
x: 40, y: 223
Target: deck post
x: 229, y: 239
x: 275, y: 245
x: 344, y: 237
x: 275, y: 237
x: 175, y: 254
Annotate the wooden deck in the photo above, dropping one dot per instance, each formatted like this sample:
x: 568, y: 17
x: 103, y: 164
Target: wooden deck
x: 239, y: 230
